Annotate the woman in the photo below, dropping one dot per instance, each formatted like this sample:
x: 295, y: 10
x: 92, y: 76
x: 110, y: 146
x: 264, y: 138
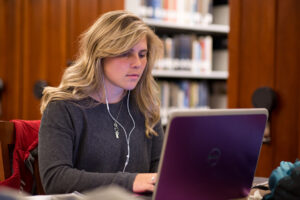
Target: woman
x: 101, y: 125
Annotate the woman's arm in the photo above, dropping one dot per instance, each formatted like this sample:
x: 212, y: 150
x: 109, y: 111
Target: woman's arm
x: 145, y: 182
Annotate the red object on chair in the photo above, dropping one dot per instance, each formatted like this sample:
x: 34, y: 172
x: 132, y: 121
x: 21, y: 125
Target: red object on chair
x: 26, y: 140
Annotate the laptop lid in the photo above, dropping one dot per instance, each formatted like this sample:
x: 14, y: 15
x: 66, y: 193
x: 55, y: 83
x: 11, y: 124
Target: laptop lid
x: 210, y: 154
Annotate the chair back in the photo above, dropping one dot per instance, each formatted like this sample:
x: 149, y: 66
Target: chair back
x: 7, y: 138
x: 7, y: 143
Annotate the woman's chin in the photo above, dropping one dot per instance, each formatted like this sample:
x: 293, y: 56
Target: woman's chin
x: 130, y: 86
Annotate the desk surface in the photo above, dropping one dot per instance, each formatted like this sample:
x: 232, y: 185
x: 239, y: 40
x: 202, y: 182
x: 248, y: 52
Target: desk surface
x: 258, y: 194
x: 254, y: 193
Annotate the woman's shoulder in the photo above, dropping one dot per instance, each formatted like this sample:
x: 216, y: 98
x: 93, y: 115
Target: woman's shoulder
x: 72, y: 103
x: 63, y: 109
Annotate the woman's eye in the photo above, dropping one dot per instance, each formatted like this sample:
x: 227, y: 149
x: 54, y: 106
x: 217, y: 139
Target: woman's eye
x: 126, y: 54
x: 143, y: 55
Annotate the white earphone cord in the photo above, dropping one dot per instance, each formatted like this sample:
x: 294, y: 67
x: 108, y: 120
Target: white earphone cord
x: 127, y: 137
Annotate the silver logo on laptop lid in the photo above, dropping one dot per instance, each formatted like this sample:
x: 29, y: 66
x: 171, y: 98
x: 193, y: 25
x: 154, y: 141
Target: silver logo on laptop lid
x: 214, y: 157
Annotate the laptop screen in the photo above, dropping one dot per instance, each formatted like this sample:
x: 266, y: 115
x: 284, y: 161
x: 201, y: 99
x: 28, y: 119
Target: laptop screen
x: 210, y: 154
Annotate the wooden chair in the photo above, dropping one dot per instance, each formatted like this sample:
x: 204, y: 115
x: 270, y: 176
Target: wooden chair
x: 7, y: 138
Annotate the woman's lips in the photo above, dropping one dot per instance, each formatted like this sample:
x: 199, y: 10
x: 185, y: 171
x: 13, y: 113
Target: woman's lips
x: 133, y: 75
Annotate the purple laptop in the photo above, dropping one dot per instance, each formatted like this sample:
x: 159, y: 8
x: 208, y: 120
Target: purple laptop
x: 210, y: 154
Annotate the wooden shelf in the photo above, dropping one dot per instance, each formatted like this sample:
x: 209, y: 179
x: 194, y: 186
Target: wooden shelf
x: 211, y: 28
x: 222, y: 75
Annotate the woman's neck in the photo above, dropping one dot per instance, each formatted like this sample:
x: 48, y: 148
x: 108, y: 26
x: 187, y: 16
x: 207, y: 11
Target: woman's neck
x: 115, y: 97
x: 112, y: 96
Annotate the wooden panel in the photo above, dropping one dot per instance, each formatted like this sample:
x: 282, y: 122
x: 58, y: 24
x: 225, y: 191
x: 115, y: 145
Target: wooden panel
x: 258, y: 48
x: 81, y: 15
x: 284, y: 127
x: 266, y: 53
x: 10, y: 57
x: 39, y: 38
x: 105, y: 6
x: 44, y: 49
x: 252, y: 56
x: 257, y: 55
x: 287, y: 81
x: 234, y: 46
x: 252, y: 48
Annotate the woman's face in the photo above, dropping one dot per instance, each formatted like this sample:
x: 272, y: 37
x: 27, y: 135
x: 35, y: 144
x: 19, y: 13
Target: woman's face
x: 124, y: 71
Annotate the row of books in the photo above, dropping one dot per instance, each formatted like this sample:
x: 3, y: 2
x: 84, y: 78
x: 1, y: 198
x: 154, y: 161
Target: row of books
x: 187, y: 52
x: 192, y: 94
x: 178, y: 11
x: 184, y: 94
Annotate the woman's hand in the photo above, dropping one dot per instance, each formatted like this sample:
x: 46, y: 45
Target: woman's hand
x: 144, y: 182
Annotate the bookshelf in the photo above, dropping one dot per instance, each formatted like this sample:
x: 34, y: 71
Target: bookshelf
x: 195, y: 62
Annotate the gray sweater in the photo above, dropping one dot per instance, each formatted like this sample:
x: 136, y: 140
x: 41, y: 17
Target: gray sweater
x: 79, y: 151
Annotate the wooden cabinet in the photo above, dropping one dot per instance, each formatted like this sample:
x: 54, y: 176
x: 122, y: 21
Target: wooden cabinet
x: 37, y: 40
x: 264, y: 50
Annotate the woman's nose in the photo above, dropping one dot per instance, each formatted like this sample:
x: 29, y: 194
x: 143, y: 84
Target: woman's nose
x: 136, y: 61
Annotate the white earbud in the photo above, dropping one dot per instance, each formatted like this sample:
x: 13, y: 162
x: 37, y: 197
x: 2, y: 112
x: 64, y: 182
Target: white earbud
x: 115, y: 120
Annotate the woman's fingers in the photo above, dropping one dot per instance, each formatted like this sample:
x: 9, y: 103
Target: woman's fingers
x: 144, y: 182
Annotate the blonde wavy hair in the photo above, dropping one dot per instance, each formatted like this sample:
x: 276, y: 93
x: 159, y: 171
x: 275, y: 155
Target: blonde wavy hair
x: 112, y: 34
